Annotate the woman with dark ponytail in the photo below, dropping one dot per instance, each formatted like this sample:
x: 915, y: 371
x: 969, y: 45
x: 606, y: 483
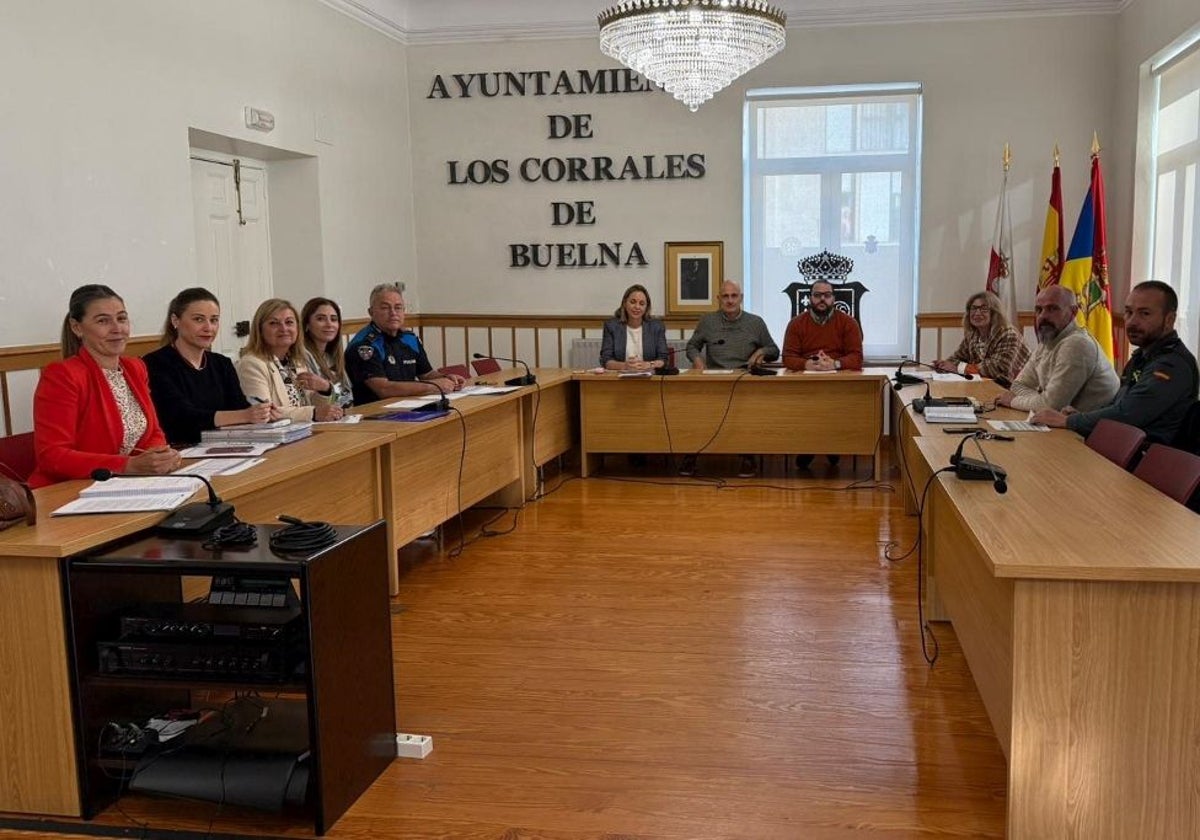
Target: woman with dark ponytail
x: 195, y: 389
x: 93, y: 410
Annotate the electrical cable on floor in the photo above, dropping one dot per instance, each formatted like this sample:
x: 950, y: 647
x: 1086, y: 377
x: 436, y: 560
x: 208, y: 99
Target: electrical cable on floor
x: 918, y: 547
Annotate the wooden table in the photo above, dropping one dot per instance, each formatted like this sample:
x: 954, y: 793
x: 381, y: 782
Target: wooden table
x: 1076, y: 598
x: 789, y: 414
x: 489, y: 448
x: 333, y: 479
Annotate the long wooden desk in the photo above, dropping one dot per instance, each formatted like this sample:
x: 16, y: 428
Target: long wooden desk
x: 337, y: 480
x: 1076, y: 598
x: 789, y: 414
x: 507, y: 438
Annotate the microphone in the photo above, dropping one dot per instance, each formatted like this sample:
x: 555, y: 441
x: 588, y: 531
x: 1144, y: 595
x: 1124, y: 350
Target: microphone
x: 527, y: 379
x: 902, y: 379
x: 191, y: 520
x: 972, y: 469
x: 442, y: 404
x: 668, y: 368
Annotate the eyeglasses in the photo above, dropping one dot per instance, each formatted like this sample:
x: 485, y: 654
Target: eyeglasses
x: 983, y: 307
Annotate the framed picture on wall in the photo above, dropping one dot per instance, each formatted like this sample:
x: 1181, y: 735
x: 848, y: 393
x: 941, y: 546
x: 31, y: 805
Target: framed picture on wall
x: 695, y: 271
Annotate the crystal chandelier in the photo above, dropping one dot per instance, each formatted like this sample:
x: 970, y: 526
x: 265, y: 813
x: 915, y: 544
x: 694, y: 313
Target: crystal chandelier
x: 692, y: 48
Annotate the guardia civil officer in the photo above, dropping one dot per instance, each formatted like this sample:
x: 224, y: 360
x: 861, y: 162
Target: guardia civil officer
x: 385, y: 360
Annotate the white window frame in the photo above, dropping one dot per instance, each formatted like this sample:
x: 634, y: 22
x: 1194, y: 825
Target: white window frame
x: 1146, y: 198
x: 759, y: 288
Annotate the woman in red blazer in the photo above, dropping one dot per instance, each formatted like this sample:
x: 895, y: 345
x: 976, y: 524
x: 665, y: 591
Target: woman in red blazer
x: 93, y: 410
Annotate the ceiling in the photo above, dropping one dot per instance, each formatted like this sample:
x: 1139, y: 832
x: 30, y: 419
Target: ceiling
x: 456, y: 21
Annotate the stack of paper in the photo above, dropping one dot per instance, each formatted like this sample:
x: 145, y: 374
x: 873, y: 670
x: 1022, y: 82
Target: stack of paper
x: 281, y: 431
x: 949, y: 414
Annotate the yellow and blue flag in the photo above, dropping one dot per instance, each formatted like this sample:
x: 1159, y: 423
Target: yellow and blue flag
x: 1086, y: 270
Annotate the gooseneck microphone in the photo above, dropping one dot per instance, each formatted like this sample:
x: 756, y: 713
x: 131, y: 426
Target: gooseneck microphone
x: 195, y: 519
x: 972, y: 469
x: 441, y: 404
x: 527, y: 379
x: 900, y: 379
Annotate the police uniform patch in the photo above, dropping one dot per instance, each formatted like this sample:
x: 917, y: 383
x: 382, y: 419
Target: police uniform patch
x: 365, y: 351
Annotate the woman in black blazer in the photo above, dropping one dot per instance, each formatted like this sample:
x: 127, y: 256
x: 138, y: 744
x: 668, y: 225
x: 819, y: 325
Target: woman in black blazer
x: 632, y: 339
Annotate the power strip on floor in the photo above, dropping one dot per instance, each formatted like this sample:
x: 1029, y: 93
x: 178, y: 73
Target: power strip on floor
x: 413, y: 746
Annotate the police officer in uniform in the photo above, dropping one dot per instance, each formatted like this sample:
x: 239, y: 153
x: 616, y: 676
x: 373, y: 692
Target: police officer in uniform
x: 385, y: 360
x: 1161, y: 380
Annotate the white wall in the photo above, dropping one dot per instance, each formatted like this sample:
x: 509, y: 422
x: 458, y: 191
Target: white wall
x: 95, y: 109
x: 1032, y: 82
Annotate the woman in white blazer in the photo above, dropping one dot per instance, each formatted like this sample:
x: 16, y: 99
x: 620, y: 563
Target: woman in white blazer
x: 272, y: 367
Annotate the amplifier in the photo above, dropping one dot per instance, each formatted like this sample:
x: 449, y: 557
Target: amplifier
x: 208, y: 641
x: 209, y: 622
x: 273, y: 663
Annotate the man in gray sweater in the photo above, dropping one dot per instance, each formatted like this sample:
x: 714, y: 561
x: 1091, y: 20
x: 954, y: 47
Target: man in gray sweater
x: 727, y: 339
x: 1068, y: 367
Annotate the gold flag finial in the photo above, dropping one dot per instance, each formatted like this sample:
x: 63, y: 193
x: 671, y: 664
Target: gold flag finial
x: 1095, y: 144
x: 1007, y: 157
x: 1056, y: 154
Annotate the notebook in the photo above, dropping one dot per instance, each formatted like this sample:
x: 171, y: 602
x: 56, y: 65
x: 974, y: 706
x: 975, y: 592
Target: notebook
x: 131, y: 495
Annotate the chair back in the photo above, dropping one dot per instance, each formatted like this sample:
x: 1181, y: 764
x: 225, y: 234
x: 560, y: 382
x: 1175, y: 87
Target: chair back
x: 16, y: 453
x: 457, y: 370
x: 1172, y: 471
x: 1116, y: 441
x: 485, y: 366
x: 828, y: 268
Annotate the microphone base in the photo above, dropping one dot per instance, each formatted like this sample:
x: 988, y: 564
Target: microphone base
x: 972, y: 469
x: 196, y: 519
x: 437, y: 405
x: 517, y: 381
x: 902, y: 379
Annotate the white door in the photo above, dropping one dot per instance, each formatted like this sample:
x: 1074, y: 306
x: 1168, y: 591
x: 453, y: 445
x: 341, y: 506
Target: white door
x: 233, y: 251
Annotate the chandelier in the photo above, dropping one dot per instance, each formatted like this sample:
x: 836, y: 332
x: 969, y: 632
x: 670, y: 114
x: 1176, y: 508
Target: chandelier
x: 692, y: 48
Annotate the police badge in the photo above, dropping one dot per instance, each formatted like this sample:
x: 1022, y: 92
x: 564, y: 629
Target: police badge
x: 365, y: 351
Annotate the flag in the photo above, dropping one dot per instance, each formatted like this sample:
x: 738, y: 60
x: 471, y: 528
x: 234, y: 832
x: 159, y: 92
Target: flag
x: 1000, y: 279
x: 1050, y: 271
x: 1086, y: 270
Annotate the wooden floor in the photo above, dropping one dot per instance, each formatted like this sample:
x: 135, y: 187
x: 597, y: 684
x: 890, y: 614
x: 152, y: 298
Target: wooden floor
x: 670, y: 662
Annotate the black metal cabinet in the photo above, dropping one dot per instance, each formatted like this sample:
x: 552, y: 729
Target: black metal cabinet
x: 338, y: 685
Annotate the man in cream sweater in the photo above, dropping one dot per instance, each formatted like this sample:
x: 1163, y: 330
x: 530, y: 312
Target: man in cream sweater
x: 1068, y: 367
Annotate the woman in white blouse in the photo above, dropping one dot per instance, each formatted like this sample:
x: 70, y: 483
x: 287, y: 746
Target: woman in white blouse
x: 632, y: 339
x: 272, y: 367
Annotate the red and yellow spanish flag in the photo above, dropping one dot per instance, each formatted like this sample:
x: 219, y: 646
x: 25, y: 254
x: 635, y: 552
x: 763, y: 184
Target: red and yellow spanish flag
x: 1051, y: 267
x: 1086, y: 269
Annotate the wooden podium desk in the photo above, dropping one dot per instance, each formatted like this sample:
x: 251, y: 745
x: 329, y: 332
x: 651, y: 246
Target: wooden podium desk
x: 504, y: 447
x: 333, y: 479
x: 789, y: 414
x: 1076, y: 598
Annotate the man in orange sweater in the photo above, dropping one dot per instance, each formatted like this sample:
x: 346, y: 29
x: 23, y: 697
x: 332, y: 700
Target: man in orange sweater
x: 822, y: 338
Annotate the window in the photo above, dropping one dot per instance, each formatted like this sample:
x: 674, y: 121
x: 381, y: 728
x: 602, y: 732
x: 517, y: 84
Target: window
x: 1175, y: 157
x: 835, y: 169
